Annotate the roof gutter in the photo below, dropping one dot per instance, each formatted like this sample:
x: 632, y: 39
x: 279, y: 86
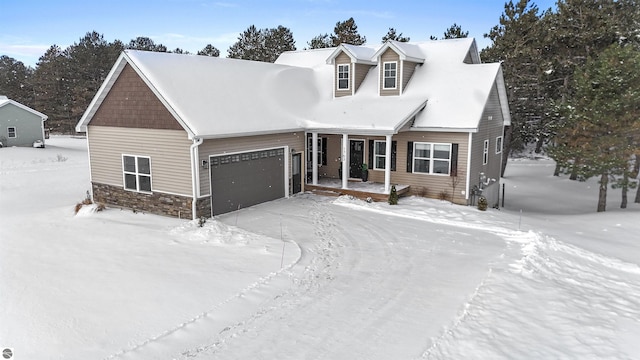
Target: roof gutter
x: 195, y: 176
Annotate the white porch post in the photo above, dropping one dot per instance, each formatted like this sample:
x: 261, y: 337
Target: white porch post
x: 387, y: 165
x: 314, y: 158
x: 345, y: 161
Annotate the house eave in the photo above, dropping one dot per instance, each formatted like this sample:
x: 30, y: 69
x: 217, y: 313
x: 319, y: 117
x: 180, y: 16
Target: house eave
x: 252, y: 133
x: 444, y: 129
x: 352, y: 131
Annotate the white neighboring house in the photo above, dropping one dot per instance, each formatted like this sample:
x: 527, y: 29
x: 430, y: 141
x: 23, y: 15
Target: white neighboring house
x: 20, y: 125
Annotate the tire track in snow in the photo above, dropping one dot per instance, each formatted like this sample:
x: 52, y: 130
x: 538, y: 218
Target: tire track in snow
x: 318, y: 261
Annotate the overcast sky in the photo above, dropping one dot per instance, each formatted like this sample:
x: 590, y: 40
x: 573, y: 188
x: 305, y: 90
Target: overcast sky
x: 29, y: 27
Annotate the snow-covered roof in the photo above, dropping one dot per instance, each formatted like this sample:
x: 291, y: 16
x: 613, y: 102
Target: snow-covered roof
x: 6, y: 101
x: 358, y: 54
x: 218, y: 97
x: 408, y: 52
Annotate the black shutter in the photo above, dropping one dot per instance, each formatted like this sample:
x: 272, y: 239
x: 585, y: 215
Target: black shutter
x: 454, y: 160
x: 370, y: 154
x: 393, y: 155
x: 410, y: 157
x: 324, y: 151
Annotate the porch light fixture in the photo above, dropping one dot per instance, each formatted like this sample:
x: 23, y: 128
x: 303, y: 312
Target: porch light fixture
x: 205, y: 164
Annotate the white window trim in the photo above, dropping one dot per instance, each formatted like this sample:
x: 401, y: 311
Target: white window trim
x: 15, y: 132
x: 384, y: 78
x: 348, y: 78
x: 137, y: 174
x: 499, y: 145
x: 485, y: 152
x: 376, y: 155
x: 431, y: 159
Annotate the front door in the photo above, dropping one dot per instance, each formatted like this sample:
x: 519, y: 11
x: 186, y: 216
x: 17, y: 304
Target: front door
x: 356, y: 158
x: 296, y: 172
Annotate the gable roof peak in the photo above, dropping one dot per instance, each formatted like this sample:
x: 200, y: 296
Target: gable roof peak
x: 360, y: 54
x: 406, y: 51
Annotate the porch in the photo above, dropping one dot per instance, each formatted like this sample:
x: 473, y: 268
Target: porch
x: 359, y: 189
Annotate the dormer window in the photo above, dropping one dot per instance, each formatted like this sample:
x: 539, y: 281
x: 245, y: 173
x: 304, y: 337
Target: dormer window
x: 390, y: 75
x: 343, y: 77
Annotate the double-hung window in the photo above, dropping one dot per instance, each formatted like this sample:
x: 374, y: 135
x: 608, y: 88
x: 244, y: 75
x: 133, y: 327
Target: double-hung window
x: 343, y: 77
x: 11, y: 132
x: 431, y: 158
x: 379, y: 153
x: 136, y: 171
x: 499, y: 145
x: 390, y: 75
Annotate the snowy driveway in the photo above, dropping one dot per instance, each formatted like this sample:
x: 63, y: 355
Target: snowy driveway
x: 367, y: 286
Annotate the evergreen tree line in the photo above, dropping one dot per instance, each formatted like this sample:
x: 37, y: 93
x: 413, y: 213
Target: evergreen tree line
x: 574, y: 86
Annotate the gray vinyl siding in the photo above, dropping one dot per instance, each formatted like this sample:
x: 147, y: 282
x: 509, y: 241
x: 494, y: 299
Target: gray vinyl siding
x: 388, y: 56
x: 488, y: 130
x: 295, y: 141
x: 168, y: 150
x: 407, y: 71
x: 28, y: 126
x: 342, y: 59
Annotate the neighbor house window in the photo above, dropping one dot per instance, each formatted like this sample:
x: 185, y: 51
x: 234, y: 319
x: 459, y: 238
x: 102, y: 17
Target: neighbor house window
x: 11, y: 131
x: 343, y: 77
x: 430, y: 158
x: 137, y: 173
x: 485, y: 153
x: 499, y: 145
x: 390, y: 75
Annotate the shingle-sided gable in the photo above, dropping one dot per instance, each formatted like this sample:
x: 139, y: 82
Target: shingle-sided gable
x: 130, y: 103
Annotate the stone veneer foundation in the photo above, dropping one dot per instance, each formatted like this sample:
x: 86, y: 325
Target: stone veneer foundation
x: 154, y: 203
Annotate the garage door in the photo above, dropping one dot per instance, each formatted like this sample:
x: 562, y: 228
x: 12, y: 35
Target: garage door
x: 246, y: 179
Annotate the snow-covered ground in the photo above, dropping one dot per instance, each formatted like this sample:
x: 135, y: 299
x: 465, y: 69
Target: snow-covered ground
x: 315, y: 277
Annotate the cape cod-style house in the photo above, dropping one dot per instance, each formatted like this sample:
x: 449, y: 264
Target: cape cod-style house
x: 191, y: 136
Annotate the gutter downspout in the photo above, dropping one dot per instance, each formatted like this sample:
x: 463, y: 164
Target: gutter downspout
x: 195, y: 175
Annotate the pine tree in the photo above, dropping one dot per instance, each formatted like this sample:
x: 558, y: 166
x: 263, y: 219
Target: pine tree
x: 393, y: 35
x: 248, y: 45
x: 262, y: 45
x: 276, y: 41
x: 321, y: 41
x: 52, y: 85
x: 602, y: 119
x: 347, y: 32
x: 146, y: 44
x: 455, y: 32
x: 581, y: 29
x: 209, y: 50
x: 15, y: 80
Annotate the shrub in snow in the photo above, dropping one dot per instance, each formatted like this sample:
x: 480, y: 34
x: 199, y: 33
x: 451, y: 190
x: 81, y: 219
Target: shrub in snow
x: 444, y: 195
x: 201, y: 221
x: 482, y: 203
x: 393, y: 196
